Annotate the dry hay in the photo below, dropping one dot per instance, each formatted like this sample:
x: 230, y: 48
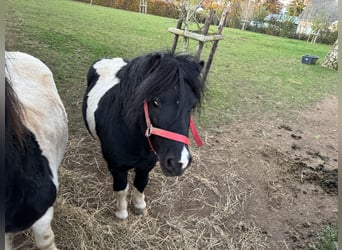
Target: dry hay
x: 232, y: 190
x: 194, y: 211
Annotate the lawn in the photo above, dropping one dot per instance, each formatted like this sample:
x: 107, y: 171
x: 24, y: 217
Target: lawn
x: 252, y: 73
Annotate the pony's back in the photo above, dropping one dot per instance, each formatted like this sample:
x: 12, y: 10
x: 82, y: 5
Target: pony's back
x: 44, y: 113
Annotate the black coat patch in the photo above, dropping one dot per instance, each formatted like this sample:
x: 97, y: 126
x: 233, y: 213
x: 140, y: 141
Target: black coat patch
x: 30, y: 190
x: 92, y: 78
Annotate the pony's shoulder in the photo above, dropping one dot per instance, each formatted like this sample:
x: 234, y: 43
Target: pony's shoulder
x: 108, y: 64
x: 104, y: 70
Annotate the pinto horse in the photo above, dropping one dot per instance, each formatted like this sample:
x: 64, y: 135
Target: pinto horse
x: 36, y: 134
x: 140, y: 111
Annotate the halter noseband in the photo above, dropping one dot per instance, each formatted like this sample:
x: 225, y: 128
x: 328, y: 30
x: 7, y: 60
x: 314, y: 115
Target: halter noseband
x: 168, y: 134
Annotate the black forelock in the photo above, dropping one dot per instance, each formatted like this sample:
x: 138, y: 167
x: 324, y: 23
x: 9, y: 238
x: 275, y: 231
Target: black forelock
x: 150, y: 75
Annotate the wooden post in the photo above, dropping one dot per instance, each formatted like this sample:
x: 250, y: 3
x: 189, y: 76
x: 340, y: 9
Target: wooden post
x: 195, y: 36
x: 215, y: 43
x: 175, y: 39
x: 202, y: 37
x: 205, y: 30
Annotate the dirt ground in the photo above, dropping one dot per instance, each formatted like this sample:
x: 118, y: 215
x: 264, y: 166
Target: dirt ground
x: 255, y: 184
x: 291, y: 170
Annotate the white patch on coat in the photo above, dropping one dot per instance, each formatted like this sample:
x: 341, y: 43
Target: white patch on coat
x: 185, y: 158
x: 43, y: 234
x: 44, y: 114
x: 138, y: 199
x: 106, y: 69
x: 121, y: 203
x: 8, y: 241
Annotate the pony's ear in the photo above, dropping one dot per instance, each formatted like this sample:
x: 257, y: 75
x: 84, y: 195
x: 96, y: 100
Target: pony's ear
x: 155, y: 58
x: 154, y: 61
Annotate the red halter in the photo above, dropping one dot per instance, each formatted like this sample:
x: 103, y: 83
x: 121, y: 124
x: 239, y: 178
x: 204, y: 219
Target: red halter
x: 168, y: 134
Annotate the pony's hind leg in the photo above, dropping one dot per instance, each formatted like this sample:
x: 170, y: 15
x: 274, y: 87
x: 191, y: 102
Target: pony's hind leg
x: 43, y: 234
x: 8, y: 241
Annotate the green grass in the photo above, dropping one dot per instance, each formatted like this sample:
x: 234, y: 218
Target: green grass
x: 327, y: 239
x: 252, y: 73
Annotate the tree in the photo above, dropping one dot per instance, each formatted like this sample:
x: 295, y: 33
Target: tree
x: 273, y: 6
x: 320, y: 21
x: 296, y: 7
x: 235, y: 12
x: 260, y: 12
x: 331, y: 59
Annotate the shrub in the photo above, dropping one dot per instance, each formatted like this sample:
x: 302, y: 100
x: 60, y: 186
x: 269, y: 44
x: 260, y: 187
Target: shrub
x: 156, y: 7
x: 301, y: 36
x: 327, y: 37
x: 131, y: 5
x: 288, y: 29
x: 164, y: 9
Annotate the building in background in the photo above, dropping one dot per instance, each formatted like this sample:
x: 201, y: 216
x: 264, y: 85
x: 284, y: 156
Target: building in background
x: 317, y: 10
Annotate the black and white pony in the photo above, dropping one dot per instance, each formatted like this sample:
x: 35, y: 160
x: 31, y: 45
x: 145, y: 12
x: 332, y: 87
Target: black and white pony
x: 36, y: 134
x: 140, y: 111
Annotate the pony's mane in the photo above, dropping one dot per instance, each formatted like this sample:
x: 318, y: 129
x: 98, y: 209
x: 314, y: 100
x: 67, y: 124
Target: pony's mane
x: 13, y: 113
x: 150, y: 75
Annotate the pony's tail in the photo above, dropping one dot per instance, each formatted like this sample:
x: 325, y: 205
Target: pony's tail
x: 13, y: 112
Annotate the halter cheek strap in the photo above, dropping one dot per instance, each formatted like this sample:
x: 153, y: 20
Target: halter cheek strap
x: 168, y: 134
x: 195, y: 134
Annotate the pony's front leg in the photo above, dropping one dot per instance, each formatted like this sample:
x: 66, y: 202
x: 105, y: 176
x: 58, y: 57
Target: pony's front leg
x: 43, y: 234
x: 140, y: 182
x: 121, y: 203
x: 139, y: 202
x: 120, y: 190
x: 8, y: 241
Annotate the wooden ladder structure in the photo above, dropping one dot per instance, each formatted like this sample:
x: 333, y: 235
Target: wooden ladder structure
x: 202, y: 38
x: 143, y: 6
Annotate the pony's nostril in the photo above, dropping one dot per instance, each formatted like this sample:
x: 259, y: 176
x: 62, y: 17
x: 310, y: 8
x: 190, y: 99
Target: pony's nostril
x: 172, y: 167
x: 170, y: 163
x: 173, y: 164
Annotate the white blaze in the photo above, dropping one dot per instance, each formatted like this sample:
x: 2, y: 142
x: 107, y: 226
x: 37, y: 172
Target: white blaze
x: 185, y: 157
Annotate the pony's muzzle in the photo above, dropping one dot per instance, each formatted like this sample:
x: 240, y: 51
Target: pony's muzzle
x: 174, y: 166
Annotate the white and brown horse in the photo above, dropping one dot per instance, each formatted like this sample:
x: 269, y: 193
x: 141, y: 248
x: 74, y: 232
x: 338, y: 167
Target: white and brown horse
x: 36, y: 135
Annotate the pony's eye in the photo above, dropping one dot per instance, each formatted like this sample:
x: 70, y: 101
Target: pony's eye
x: 156, y: 103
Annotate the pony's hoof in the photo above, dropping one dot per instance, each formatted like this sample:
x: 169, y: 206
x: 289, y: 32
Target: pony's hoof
x: 141, y: 211
x: 122, y: 215
x: 50, y: 247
